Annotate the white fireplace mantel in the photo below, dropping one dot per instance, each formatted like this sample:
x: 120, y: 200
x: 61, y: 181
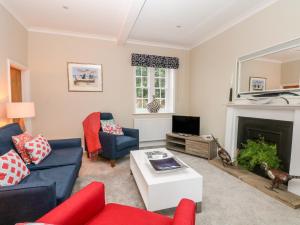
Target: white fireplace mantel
x: 268, y: 111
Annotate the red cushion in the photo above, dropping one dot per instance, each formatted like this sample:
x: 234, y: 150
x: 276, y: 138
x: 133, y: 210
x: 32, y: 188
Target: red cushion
x: 38, y: 148
x: 12, y: 169
x: 115, y: 214
x: 19, y: 142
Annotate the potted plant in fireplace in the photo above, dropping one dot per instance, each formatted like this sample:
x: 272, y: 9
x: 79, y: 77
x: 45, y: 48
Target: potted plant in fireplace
x: 256, y: 152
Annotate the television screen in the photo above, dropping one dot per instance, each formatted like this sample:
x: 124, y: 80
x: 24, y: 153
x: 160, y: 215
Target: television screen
x: 186, y: 125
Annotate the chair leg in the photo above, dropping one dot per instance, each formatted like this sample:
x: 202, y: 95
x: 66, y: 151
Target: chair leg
x: 112, y: 163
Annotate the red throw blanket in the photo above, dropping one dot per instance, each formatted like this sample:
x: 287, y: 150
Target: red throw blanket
x: 91, y: 127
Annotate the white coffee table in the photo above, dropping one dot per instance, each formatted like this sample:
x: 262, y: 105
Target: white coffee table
x: 164, y: 190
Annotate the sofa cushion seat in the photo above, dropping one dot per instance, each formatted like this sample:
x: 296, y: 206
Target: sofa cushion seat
x: 115, y: 214
x: 124, y: 142
x: 59, y: 157
x: 63, y: 176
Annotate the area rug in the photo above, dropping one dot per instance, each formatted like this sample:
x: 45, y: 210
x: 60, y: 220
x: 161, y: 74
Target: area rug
x: 226, y: 200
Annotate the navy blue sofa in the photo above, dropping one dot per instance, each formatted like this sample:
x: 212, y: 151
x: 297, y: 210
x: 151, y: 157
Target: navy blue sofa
x: 117, y: 146
x: 49, y: 183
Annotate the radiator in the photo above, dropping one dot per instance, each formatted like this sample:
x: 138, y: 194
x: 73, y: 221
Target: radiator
x: 153, y: 129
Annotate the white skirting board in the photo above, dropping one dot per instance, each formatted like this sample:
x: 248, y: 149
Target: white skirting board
x: 153, y: 130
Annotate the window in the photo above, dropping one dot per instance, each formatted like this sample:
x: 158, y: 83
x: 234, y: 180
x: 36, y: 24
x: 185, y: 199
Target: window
x: 151, y: 82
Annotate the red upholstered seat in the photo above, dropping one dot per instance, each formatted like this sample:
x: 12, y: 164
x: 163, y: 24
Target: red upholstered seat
x: 87, y: 207
x: 114, y: 214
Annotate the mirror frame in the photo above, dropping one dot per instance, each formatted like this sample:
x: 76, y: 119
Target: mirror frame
x: 277, y: 48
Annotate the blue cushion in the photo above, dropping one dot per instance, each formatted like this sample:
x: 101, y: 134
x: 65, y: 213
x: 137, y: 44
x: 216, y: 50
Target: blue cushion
x: 123, y: 141
x: 60, y: 157
x: 63, y: 176
x: 5, y: 137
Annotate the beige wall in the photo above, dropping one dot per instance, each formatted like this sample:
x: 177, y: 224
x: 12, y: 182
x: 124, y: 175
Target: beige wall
x: 257, y: 68
x: 59, y: 113
x: 213, y: 62
x: 290, y: 72
x: 13, y: 46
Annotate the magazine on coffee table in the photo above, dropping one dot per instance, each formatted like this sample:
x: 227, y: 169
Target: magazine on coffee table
x: 165, y: 164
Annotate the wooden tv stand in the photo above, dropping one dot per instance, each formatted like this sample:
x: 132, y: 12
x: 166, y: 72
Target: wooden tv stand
x: 194, y: 145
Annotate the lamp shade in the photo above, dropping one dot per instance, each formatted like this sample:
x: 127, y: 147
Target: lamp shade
x: 20, y: 110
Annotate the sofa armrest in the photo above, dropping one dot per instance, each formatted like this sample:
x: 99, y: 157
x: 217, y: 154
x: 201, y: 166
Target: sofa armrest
x: 185, y: 213
x: 131, y: 132
x: 65, y: 143
x: 80, y: 208
x: 26, y: 202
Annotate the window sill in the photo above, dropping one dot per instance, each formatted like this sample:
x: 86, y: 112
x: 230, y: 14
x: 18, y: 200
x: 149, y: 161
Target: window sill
x: 148, y: 113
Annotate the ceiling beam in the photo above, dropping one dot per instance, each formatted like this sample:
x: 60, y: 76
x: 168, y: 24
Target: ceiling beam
x: 132, y: 15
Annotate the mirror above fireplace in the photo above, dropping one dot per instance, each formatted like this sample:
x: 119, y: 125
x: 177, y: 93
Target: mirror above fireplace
x: 275, y: 69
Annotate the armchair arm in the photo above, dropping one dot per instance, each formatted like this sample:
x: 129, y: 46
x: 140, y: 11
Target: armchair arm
x: 108, y: 142
x: 80, y: 208
x: 185, y: 213
x: 131, y: 132
x: 65, y: 143
x: 26, y: 202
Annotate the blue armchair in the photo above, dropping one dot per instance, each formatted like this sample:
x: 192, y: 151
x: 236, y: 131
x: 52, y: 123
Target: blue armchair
x: 117, y: 146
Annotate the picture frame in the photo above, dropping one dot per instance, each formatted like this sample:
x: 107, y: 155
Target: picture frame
x: 257, y: 84
x: 84, y: 77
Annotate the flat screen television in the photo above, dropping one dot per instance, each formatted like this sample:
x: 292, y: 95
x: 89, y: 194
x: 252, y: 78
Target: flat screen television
x: 186, y: 125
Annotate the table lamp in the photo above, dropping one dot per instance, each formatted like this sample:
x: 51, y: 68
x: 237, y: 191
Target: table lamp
x: 20, y: 110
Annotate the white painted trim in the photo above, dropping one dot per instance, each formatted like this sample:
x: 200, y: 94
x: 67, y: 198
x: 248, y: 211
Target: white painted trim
x: 71, y: 34
x: 233, y: 23
x: 14, y: 14
x: 25, y: 79
x: 132, y: 15
x: 263, y: 59
x: 156, y: 44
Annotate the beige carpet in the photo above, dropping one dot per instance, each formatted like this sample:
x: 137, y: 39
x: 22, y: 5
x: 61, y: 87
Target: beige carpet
x: 226, y: 200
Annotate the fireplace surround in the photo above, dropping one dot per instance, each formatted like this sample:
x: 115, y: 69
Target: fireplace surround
x: 276, y: 113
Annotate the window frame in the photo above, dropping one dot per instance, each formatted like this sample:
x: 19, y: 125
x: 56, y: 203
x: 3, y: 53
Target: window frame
x: 169, y: 90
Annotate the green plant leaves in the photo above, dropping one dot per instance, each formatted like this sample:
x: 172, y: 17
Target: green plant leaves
x: 254, y: 153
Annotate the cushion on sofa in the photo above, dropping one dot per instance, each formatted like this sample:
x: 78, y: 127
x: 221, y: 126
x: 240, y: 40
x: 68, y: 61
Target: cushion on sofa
x: 38, y: 149
x: 19, y: 142
x: 59, y: 157
x: 6, y: 133
x: 123, y: 142
x: 63, y: 176
x: 127, y: 215
x: 12, y: 169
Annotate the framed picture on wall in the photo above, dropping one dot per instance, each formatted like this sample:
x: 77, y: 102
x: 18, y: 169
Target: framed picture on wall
x: 85, y: 77
x: 257, y: 84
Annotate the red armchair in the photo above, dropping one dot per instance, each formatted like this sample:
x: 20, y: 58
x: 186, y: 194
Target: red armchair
x: 87, y: 207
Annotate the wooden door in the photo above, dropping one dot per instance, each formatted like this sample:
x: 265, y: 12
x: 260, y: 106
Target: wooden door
x: 16, y: 85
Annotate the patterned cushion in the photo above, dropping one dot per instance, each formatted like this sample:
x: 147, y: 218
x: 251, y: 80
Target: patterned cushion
x: 113, y: 129
x: 38, y: 148
x: 12, y: 169
x: 19, y: 142
x: 107, y: 122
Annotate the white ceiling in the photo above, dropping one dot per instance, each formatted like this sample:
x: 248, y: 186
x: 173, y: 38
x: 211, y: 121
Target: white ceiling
x: 153, y: 22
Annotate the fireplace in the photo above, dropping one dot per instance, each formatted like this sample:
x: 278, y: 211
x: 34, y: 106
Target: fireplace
x: 273, y: 131
x: 279, y: 124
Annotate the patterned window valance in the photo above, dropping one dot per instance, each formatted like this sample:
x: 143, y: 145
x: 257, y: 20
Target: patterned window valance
x: 154, y: 61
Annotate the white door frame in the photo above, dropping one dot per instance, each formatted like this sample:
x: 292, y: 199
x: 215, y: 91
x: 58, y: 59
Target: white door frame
x: 25, y: 79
